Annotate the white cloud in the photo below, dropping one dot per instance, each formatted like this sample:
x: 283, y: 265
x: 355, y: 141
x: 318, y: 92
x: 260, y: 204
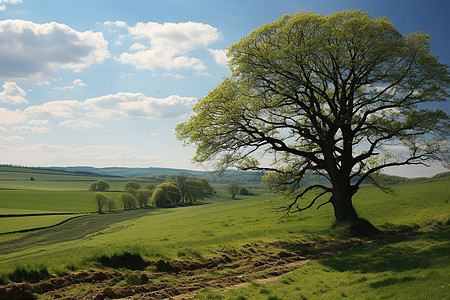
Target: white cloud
x: 132, y: 105
x: 3, y: 2
x: 11, y: 138
x: 62, y: 109
x: 13, y: 93
x: 120, y: 105
x: 170, y: 44
x: 10, y: 117
x: 30, y: 51
x: 77, y: 124
x: 38, y: 122
x: 176, y: 76
x: 220, y: 56
x: 95, y: 155
x: 137, y: 47
x: 120, y: 24
x: 35, y: 129
x: 75, y: 83
x: 395, y: 148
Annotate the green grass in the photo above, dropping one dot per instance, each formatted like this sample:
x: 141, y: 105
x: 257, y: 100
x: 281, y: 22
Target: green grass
x: 204, y: 229
x: 50, y: 201
x: 23, y: 223
x: 19, y: 179
x: 415, y: 264
x: 415, y: 267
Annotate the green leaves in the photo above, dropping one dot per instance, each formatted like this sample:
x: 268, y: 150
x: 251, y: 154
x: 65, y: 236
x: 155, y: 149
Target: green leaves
x: 308, y: 92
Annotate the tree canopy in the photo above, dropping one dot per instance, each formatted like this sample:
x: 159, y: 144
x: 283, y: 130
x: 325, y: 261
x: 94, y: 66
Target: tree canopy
x: 342, y: 96
x: 99, y: 186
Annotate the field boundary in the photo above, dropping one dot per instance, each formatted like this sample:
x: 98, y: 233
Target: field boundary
x: 40, y: 228
x: 36, y: 214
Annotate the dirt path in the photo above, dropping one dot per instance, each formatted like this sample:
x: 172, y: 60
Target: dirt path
x: 181, y: 279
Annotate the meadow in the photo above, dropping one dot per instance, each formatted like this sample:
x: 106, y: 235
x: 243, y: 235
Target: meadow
x: 411, y: 263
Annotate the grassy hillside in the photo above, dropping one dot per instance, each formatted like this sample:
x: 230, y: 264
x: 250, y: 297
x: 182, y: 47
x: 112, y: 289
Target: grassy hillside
x: 414, y: 263
x: 14, y: 178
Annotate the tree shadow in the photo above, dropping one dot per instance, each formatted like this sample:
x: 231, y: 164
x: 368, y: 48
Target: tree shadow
x: 391, y: 281
x: 393, y: 254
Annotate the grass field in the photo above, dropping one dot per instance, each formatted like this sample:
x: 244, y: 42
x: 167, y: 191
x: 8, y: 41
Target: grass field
x: 30, y: 222
x: 400, y: 267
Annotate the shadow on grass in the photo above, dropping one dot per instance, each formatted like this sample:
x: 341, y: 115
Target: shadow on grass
x: 395, y: 253
x: 391, y: 281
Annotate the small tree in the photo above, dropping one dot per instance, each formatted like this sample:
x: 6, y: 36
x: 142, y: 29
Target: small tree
x: 193, y: 190
x: 233, y: 188
x: 128, y: 201
x: 131, y: 184
x: 150, y: 186
x: 110, y: 202
x: 101, y: 200
x: 99, y: 186
x: 166, y: 195
x: 243, y: 191
x: 180, y: 181
x: 208, y: 189
x: 143, y: 195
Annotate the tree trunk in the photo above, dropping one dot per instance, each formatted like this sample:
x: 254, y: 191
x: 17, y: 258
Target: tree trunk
x: 344, y: 211
x: 342, y: 200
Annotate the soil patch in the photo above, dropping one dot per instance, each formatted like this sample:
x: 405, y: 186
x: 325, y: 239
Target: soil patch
x: 179, y: 279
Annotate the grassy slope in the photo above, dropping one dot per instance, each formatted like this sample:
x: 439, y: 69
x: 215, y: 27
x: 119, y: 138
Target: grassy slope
x: 23, y: 223
x: 12, y: 178
x: 414, y: 265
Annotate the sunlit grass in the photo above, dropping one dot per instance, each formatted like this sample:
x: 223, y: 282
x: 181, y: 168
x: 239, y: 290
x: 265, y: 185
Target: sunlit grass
x: 394, y: 268
x: 199, y: 232
x: 23, y: 223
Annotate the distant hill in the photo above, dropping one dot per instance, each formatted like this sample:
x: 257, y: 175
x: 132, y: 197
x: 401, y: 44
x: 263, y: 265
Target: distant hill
x: 242, y: 177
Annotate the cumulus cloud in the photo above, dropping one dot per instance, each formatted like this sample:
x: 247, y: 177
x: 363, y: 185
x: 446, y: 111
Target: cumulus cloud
x: 35, y: 129
x: 38, y: 122
x: 3, y: 2
x: 97, y: 155
x: 137, y: 47
x: 12, y: 93
x: 120, y: 105
x: 220, y: 56
x: 11, y: 138
x: 79, y: 123
x: 10, y: 117
x: 170, y: 45
x: 62, y: 109
x: 75, y: 83
x: 132, y: 105
x: 30, y: 51
x: 119, y: 24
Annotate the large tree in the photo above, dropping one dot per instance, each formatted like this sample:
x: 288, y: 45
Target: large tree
x: 336, y: 95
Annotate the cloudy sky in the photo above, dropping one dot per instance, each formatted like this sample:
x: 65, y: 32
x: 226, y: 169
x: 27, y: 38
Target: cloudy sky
x: 104, y: 82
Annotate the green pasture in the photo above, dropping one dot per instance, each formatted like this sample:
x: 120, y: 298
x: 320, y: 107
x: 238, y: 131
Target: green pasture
x: 29, y: 222
x: 47, y: 201
x: 400, y: 267
x: 198, y: 231
x: 19, y: 179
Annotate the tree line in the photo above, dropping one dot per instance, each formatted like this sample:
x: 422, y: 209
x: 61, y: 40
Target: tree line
x: 182, y: 190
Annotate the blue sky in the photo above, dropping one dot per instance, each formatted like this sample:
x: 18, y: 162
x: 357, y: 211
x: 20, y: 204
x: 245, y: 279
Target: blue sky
x: 104, y: 82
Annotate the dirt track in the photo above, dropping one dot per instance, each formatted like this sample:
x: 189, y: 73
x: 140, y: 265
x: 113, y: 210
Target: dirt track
x: 179, y: 279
